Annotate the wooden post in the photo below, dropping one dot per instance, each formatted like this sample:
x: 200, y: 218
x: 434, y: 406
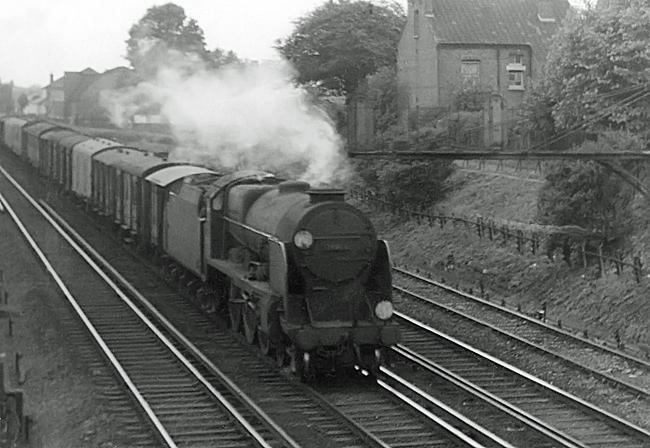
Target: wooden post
x: 637, y: 269
x: 601, y: 263
x: 2, y: 287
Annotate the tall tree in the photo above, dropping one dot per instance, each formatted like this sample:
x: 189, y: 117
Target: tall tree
x: 599, y: 62
x: 164, y: 28
x: 22, y: 101
x: 341, y: 42
x: 598, y: 77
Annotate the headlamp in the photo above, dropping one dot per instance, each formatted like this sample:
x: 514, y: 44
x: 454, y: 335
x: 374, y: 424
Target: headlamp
x: 303, y: 239
x: 384, y: 310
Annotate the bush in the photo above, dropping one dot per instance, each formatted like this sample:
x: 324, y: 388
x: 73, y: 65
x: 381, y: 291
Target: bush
x: 587, y: 195
x: 416, y: 185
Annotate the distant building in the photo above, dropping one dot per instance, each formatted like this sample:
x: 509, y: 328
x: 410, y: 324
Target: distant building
x: 499, y: 46
x: 7, y: 104
x: 36, y: 105
x: 64, y: 93
x: 88, y: 107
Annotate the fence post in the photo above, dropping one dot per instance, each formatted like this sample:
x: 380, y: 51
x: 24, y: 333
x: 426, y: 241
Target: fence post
x: 479, y: 227
x: 520, y: 240
x: 566, y: 251
x: 601, y: 263
x: 637, y: 269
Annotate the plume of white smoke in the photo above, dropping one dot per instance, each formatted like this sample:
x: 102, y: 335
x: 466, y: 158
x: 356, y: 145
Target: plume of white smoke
x: 240, y: 117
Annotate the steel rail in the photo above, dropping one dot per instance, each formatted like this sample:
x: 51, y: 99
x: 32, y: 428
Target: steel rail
x: 228, y: 406
x: 625, y: 425
x: 175, y: 332
x: 608, y: 350
x: 489, y: 398
x: 151, y: 416
x: 438, y: 405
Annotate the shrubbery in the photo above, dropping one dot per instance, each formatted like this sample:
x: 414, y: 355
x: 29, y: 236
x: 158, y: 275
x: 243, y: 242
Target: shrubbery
x: 588, y: 195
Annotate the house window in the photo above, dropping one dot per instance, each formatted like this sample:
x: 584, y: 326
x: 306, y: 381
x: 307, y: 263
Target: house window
x: 416, y: 24
x: 516, y: 68
x: 515, y: 80
x: 469, y: 71
x: 517, y: 58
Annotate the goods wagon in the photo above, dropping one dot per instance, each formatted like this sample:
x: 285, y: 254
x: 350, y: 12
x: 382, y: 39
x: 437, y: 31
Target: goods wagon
x: 13, y: 134
x: 63, y: 158
x: 134, y: 193
x: 33, y: 142
x: 81, y: 164
x: 49, y: 156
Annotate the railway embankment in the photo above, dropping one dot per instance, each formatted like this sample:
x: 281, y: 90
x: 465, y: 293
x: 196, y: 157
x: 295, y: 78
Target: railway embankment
x: 599, y: 301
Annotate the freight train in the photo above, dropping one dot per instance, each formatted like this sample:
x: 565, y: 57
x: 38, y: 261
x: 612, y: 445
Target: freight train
x: 294, y: 269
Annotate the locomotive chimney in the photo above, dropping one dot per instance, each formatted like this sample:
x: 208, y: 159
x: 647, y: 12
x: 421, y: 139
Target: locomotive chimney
x: 317, y: 196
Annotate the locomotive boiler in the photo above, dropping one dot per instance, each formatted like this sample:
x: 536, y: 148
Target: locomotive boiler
x: 328, y: 303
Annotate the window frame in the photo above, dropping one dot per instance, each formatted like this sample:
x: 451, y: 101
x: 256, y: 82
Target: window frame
x: 470, y: 62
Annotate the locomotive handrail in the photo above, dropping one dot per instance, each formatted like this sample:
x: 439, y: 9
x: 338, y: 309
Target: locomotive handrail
x: 259, y: 232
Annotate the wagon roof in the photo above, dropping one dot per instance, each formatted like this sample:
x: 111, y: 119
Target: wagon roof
x: 58, y: 134
x: 142, y: 164
x: 93, y: 146
x: 72, y: 140
x: 39, y: 128
x: 132, y: 160
x: 171, y: 174
x: 14, y: 120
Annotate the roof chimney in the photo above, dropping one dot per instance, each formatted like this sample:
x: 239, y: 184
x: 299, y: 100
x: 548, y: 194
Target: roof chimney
x: 51, y: 78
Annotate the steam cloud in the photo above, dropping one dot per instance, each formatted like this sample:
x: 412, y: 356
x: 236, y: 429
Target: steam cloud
x: 239, y: 117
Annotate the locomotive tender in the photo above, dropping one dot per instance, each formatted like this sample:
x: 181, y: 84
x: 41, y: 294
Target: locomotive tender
x: 295, y: 269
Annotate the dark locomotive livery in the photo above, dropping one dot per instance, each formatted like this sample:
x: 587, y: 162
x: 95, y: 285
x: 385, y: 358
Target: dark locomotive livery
x: 296, y: 269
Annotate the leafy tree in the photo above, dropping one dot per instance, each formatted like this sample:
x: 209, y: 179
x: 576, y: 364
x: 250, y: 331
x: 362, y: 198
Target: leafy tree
x: 164, y: 28
x: 597, y: 77
x: 599, y: 60
x: 22, y: 102
x: 341, y: 42
x: 381, y: 92
x: 588, y: 194
x: 218, y: 57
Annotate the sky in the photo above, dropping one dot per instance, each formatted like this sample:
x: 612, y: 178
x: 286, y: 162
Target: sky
x: 43, y: 37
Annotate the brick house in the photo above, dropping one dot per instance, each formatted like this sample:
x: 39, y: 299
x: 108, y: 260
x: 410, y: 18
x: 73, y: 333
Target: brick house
x: 63, y: 94
x: 499, y: 45
x: 88, y: 105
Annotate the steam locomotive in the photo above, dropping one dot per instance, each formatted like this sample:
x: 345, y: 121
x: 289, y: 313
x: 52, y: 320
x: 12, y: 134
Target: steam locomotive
x: 295, y: 269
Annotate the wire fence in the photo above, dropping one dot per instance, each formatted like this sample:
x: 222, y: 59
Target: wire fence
x: 578, y: 246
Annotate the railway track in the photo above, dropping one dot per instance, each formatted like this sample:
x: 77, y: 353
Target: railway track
x: 348, y: 422
x: 333, y: 422
x: 179, y: 404
x: 614, y: 366
x: 350, y: 405
x: 428, y: 347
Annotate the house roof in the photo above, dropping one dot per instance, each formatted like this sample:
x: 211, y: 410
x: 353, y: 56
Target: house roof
x: 504, y: 22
